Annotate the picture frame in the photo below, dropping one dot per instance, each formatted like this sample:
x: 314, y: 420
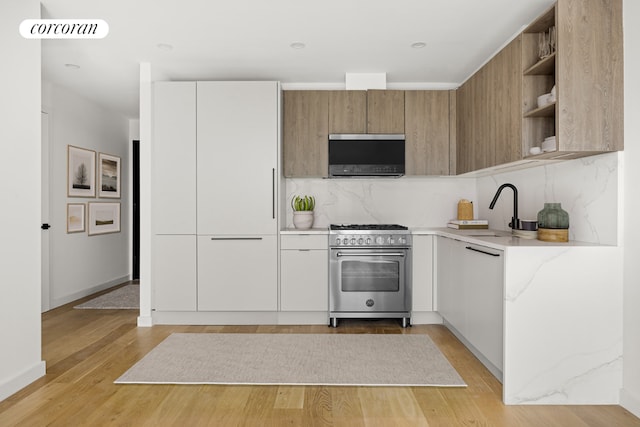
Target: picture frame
x: 108, y: 176
x: 76, y: 218
x: 104, y: 218
x: 81, y: 172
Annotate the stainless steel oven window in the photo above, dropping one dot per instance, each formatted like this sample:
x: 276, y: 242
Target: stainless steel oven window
x: 370, y: 276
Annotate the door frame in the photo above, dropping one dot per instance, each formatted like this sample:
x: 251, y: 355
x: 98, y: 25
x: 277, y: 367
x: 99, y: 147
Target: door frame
x: 45, y: 216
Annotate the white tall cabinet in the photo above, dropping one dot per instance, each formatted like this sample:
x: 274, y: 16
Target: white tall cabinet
x: 174, y: 196
x: 215, y: 191
x: 237, y: 170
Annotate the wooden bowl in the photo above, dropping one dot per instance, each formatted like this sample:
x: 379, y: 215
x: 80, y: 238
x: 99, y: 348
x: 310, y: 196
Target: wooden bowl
x: 553, y: 234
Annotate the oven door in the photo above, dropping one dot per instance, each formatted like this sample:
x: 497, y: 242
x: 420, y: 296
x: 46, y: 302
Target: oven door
x: 369, y: 280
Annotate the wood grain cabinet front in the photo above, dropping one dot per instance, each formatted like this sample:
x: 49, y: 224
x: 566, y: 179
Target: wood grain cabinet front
x: 427, y: 132
x: 585, y: 64
x: 305, y: 133
x: 424, y: 116
x: 499, y: 117
x: 385, y: 111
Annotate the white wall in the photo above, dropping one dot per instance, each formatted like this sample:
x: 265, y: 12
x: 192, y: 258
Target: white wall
x: 20, y: 328
x: 83, y: 264
x: 410, y: 201
x: 630, y: 396
x: 587, y: 188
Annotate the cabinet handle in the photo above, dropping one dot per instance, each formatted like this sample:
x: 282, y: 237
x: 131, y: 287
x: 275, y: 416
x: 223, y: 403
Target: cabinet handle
x: 368, y: 254
x: 236, y: 238
x: 481, y: 251
x: 273, y: 193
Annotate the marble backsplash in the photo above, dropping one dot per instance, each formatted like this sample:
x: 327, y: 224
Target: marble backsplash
x: 587, y: 188
x: 414, y: 202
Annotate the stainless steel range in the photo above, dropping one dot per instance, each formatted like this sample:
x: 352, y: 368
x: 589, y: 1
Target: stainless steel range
x: 369, y: 272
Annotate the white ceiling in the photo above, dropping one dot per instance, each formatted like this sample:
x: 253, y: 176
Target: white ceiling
x: 250, y: 40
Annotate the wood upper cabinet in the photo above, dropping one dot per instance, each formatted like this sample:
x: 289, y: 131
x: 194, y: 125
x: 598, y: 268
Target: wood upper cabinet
x: 385, y: 111
x: 427, y: 131
x: 498, y: 118
x: 489, y: 113
x: 587, y: 70
x: 306, y: 130
x: 427, y: 118
x: 348, y: 111
x: 505, y: 83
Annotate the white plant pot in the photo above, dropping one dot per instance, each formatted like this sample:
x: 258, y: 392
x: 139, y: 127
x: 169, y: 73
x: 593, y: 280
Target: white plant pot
x: 302, y: 219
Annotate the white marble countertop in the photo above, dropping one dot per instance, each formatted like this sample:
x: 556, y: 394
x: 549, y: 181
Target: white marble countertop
x: 496, y: 239
x: 324, y: 230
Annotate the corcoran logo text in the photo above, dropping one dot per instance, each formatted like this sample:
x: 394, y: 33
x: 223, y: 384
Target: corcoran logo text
x: 64, y: 28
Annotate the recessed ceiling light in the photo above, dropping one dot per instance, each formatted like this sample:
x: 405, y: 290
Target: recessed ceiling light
x: 164, y: 46
x: 418, y: 45
x: 297, y: 45
x: 72, y: 66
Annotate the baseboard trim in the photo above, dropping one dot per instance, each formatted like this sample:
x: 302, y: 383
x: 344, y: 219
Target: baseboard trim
x: 145, y: 321
x: 630, y: 402
x: 23, y: 379
x: 86, y: 292
x: 426, y: 318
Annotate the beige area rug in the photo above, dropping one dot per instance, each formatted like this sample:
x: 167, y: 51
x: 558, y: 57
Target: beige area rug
x: 126, y: 297
x: 295, y: 359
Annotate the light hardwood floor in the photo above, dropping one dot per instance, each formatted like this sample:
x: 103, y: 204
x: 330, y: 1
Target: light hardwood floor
x: 86, y: 350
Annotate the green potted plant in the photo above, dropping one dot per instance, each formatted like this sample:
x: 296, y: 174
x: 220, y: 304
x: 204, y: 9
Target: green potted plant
x: 303, y: 211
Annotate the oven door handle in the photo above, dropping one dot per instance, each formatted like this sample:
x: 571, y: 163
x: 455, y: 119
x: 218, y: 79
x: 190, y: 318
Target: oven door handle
x: 400, y: 254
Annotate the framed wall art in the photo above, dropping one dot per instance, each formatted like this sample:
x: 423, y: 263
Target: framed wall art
x: 108, y: 176
x: 104, y: 217
x: 76, y: 218
x: 81, y: 172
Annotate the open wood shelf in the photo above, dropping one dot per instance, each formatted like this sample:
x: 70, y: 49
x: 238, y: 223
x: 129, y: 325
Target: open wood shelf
x: 548, y: 110
x: 546, y: 66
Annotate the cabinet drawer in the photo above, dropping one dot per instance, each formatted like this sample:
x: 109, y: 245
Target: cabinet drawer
x: 304, y: 241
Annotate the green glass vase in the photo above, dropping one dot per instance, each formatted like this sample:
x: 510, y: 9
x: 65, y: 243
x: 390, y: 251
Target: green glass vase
x: 553, y: 216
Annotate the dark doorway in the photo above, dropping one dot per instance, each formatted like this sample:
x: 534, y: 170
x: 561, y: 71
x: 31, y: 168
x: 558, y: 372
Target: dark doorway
x: 135, y: 274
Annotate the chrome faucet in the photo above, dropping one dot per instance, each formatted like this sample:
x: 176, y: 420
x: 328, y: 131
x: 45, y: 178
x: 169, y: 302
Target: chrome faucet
x: 515, y: 222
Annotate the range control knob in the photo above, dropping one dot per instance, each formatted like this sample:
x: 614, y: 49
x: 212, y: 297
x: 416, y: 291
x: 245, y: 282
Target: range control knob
x: 370, y: 303
x: 360, y: 241
x: 353, y: 241
x: 379, y: 240
x: 368, y: 242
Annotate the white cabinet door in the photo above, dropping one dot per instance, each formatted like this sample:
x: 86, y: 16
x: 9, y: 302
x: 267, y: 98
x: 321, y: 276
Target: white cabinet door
x: 422, y: 278
x: 174, y: 157
x: 470, y: 283
x: 237, y: 273
x: 483, y: 270
x: 238, y: 125
x: 304, y: 280
x: 451, y: 298
x: 174, y: 273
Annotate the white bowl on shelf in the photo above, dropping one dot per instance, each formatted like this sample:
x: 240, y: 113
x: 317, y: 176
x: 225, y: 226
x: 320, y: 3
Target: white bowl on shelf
x: 549, y: 144
x: 545, y: 99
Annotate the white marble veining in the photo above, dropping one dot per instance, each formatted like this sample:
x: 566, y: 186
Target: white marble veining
x: 414, y: 202
x: 563, y: 325
x: 562, y: 317
x: 587, y: 188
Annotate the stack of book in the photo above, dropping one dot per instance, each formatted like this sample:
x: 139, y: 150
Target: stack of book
x: 468, y: 224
